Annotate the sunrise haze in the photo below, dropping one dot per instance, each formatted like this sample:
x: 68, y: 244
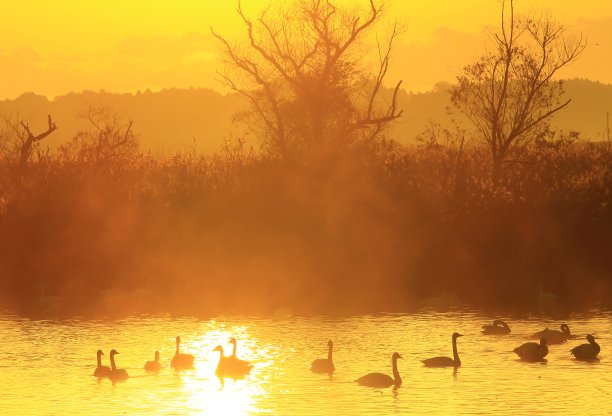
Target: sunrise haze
x: 52, y: 48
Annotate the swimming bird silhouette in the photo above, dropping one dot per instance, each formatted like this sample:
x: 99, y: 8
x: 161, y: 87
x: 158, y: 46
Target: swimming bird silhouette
x: 228, y: 367
x: 181, y: 361
x: 588, y: 351
x: 153, y: 365
x: 499, y: 327
x: 553, y: 336
x: 101, y: 370
x: 234, y: 364
x: 324, y: 365
x: 532, y: 351
x: 446, y: 361
x: 117, y: 374
x: 234, y: 357
x: 382, y: 380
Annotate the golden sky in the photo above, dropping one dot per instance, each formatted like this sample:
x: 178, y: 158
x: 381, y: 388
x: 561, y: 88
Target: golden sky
x: 54, y: 47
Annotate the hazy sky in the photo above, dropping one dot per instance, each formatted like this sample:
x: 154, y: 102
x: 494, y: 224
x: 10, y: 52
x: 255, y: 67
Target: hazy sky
x: 53, y: 47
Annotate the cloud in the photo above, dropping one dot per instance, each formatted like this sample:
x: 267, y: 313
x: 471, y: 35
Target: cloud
x: 193, y: 59
x: 133, y: 64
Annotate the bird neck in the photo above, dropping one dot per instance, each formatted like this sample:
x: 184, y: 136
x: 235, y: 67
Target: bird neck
x: 455, y: 353
x: 99, y: 360
x: 177, y: 347
x: 233, y: 349
x: 396, y: 374
x: 112, y: 360
x: 329, y: 352
x: 220, y: 356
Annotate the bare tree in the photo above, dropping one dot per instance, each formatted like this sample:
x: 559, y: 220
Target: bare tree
x: 110, y: 138
x: 30, y: 140
x: 301, y: 71
x: 510, y: 94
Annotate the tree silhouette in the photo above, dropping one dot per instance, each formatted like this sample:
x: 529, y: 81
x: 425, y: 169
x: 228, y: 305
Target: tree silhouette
x: 510, y: 94
x: 30, y: 140
x: 302, y: 73
x: 109, y: 139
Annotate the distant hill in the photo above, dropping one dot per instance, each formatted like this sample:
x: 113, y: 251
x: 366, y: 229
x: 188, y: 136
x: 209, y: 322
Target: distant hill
x: 178, y: 119
x: 165, y: 121
x: 586, y: 113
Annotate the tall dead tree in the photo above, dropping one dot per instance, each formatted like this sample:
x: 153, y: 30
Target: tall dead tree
x: 301, y: 70
x: 510, y: 93
x: 31, y: 140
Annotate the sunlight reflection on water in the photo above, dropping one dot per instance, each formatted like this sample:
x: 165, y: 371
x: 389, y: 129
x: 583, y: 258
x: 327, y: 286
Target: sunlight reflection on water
x: 47, y: 367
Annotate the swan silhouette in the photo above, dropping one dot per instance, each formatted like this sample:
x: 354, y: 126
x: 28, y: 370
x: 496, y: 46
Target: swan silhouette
x: 153, y: 365
x: 446, y: 361
x: 101, y: 370
x: 553, y: 336
x: 383, y: 380
x: 532, y: 351
x: 181, y: 361
x: 228, y: 367
x: 588, y: 351
x: 117, y: 374
x: 499, y: 327
x: 324, y: 365
x: 234, y: 359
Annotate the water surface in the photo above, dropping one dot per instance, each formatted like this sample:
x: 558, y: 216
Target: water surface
x: 46, y: 367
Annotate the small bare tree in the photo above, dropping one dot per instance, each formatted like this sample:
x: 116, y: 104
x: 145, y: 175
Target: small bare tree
x: 301, y: 72
x: 31, y: 140
x: 110, y: 139
x: 510, y: 94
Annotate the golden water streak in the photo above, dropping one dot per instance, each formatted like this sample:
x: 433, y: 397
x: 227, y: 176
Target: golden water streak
x: 53, y: 363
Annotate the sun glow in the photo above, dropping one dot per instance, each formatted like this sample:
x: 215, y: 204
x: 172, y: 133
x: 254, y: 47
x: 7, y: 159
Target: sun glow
x: 212, y: 395
x: 53, y: 48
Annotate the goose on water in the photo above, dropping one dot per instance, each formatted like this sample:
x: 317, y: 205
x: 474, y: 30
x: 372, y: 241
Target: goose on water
x: 117, y: 374
x: 446, y: 361
x: 588, y: 351
x: 324, y: 365
x: 383, y: 380
x: 553, y: 336
x: 228, y: 367
x: 181, y: 361
x: 499, y: 327
x: 101, y: 370
x: 236, y: 365
x: 153, y: 365
x: 532, y: 351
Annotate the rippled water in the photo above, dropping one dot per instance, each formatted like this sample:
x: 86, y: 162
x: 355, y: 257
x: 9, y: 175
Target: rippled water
x: 46, y: 367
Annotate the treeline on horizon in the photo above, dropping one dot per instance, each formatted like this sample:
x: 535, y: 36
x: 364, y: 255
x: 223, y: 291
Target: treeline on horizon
x: 179, y: 119
x: 331, y: 214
